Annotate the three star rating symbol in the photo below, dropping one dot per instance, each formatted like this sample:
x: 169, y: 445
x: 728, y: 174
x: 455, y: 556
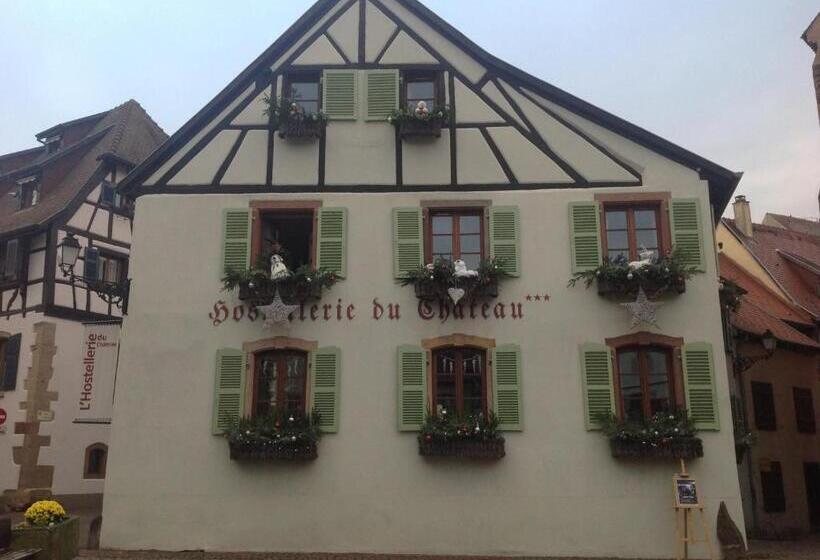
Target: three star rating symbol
x: 538, y: 297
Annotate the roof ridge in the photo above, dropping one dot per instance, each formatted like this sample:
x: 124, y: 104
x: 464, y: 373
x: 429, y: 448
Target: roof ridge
x: 784, y: 324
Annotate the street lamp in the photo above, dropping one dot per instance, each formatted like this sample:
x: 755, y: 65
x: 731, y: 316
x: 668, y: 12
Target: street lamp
x: 769, y: 343
x: 115, y: 293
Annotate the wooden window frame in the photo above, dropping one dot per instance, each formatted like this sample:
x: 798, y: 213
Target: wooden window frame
x: 261, y: 207
x: 459, y: 340
x: 658, y: 201
x: 423, y: 75
x: 429, y: 212
x: 645, y: 340
x: 281, y: 357
x: 87, y: 463
x: 773, y: 503
x: 109, y: 254
x: 459, y: 378
x: 762, y: 421
x: 302, y: 76
x: 278, y: 343
x: 17, y: 278
x: 805, y: 420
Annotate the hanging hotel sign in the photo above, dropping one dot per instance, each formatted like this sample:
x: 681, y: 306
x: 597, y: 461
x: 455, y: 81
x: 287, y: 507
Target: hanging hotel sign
x: 96, y: 372
x: 377, y: 310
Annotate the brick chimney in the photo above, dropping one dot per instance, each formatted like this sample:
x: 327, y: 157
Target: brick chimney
x: 743, y: 215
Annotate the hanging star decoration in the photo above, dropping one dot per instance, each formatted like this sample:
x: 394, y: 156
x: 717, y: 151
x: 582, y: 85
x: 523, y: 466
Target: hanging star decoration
x: 277, y: 312
x: 643, y: 310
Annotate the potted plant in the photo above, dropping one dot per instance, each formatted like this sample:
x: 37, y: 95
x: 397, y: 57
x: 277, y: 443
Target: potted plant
x: 274, y: 437
x: 49, y: 528
x: 665, y: 435
x: 656, y: 276
x: 421, y: 122
x: 444, y: 280
x: 292, y: 121
x: 256, y: 286
x: 470, y: 437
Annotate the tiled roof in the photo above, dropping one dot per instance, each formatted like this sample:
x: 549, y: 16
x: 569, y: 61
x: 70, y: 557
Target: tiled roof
x: 762, y: 310
x: 125, y: 132
x: 799, y: 225
x: 772, y: 246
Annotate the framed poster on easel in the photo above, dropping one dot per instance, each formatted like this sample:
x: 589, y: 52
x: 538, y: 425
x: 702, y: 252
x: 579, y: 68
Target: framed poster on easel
x: 687, y: 502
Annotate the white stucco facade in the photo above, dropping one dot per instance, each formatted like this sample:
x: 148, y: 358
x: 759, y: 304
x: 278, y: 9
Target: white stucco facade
x: 558, y: 491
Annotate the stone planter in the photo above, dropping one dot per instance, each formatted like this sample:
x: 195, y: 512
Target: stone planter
x: 243, y: 454
x: 464, y: 449
x: 630, y: 289
x: 684, y: 448
x: 417, y: 128
x: 58, y: 542
x: 301, y: 129
x: 291, y: 292
x: 432, y: 292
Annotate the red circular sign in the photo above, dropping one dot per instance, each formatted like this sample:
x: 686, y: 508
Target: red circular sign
x: 2, y: 416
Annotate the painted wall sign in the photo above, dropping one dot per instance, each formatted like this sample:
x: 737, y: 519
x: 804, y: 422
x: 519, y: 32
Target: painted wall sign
x: 377, y: 310
x: 95, y: 382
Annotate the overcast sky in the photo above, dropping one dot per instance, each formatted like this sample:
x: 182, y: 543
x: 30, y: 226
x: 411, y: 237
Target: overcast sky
x: 728, y: 80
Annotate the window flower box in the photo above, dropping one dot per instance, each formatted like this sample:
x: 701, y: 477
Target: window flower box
x: 59, y: 541
x: 304, y: 128
x: 463, y: 448
x: 417, y: 128
x: 445, y: 280
x: 271, y: 452
x: 274, y: 438
x: 257, y: 288
x: 420, y: 122
x: 680, y: 448
x: 652, y: 287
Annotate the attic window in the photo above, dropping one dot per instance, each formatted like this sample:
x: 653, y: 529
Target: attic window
x: 53, y: 143
x: 303, y: 89
x: 422, y: 86
x: 109, y: 196
x: 28, y: 192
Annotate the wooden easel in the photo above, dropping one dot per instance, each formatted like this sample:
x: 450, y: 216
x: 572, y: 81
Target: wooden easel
x: 684, y: 523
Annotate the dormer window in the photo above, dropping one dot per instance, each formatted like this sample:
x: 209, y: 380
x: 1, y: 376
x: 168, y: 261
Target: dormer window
x: 28, y: 192
x: 422, y: 86
x: 109, y: 196
x: 53, y: 143
x: 303, y: 89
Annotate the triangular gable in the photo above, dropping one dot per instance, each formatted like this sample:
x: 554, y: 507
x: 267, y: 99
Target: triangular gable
x: 485, y: 93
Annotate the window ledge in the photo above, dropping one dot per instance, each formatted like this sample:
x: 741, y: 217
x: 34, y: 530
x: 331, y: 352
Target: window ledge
x: 306, y: 452
x: 417, y: 128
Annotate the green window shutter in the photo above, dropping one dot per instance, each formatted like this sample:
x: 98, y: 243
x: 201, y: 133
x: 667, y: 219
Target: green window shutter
x: 699, y: 378
x: 8, y: 377
x: 412, y: 387
x: 687, y: 230
x: 236, y: 243
x: 339, y: 94
x: 596, y: 375
x: 505, y: 237
x: 229, y: 388
x: 507, y: 387
x: 331, y: 250
x: 326, y: 368
x: 408, y: 240
x: 585, y: 235
x: 381, y: 93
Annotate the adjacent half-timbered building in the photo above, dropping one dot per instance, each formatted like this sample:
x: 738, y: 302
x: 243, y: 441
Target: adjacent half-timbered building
x: 369, y: 233
x: 58, y: 336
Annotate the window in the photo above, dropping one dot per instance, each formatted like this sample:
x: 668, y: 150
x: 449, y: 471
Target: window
x: 111, y: 268
x: 96, y: 457
x: 804, y: 410
x: 763, y: 401
x: 9, y: 260
x: 280, y: 382
x: 631, y: 229
x: 771, y: 483
x: 646, y: 385
x: 460, y: 380
x: 28, y: 193
x: 288, y: 233
x: 53, y: 143
x: 422, y: 86
x: 109, y: 196
x: 456, y: 234
x: 303, y: 89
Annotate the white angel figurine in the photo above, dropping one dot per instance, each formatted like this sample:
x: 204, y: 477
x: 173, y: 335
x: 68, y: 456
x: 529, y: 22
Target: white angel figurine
x: 646, y: 259
x: 461, y: 270
x: 278, y: 269
x: 421, y: 109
